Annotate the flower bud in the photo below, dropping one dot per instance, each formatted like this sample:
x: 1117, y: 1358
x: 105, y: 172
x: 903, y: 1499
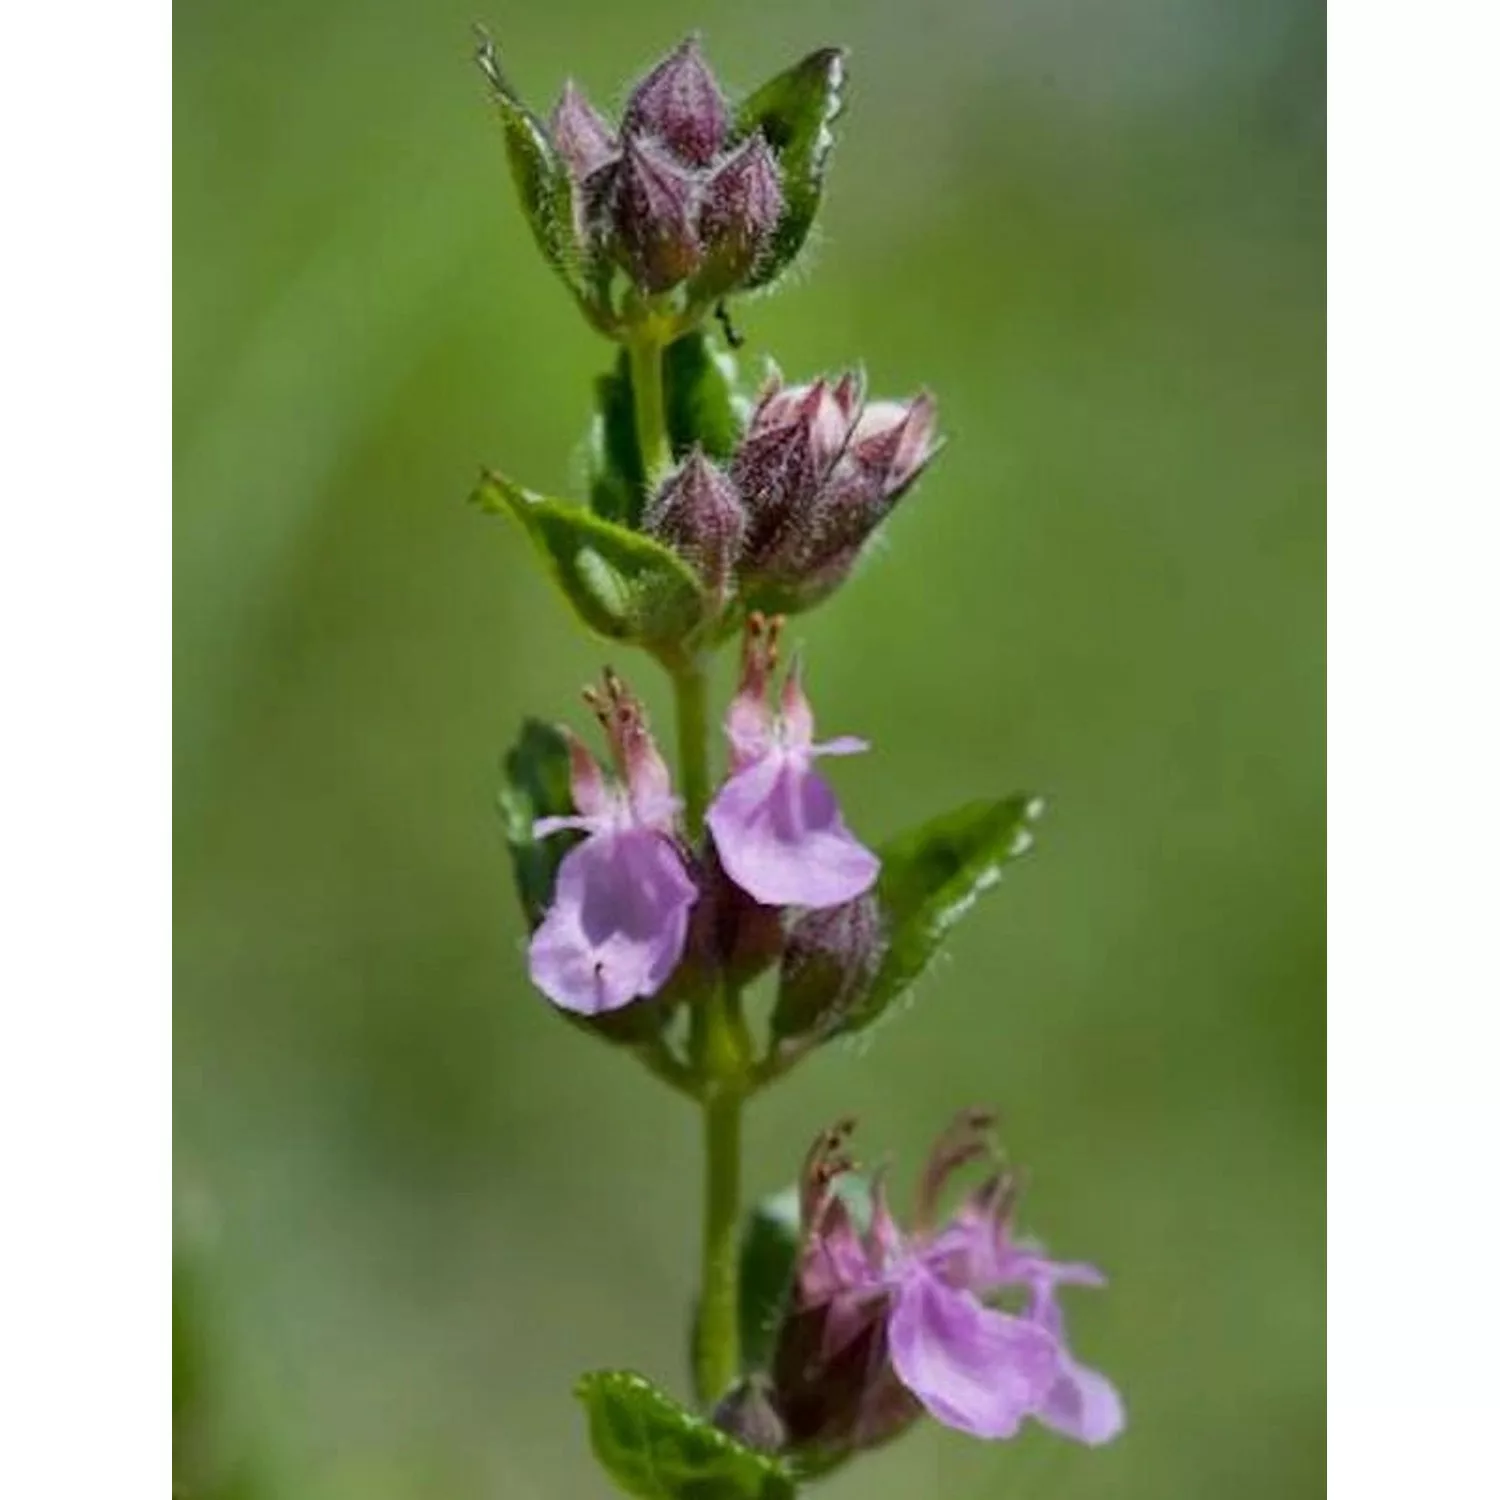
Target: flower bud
x: 655, y: 201
x: 732, y: 934
x: 749, y: 1416
x: 581, y: 134
x: 697, y: 512
x: 831, y: 959
x: 871, y: 457
x: 793, y: 438
x: 892, y: 442
x: 826, y: 410
x: 742, y: 204
x: 679, y: 104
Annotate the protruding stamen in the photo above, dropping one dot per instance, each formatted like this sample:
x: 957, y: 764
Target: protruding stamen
x: 827, y: 1160
x: 970, y: 1137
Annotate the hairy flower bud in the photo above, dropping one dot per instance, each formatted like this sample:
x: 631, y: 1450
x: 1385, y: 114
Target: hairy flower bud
x: 697, y: 511
x: 831, y: 958
x: 732, y: 934
x: 581, y: 134
x: 655, y: 201
x: 679, y: 104
x: 742, y: 204
x: 892, y: 442
x: 748, y: 1414
x: 780, y: 463
x: 818, y: 473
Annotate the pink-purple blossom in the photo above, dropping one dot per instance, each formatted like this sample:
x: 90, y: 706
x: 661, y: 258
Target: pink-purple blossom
x: 775, y: 822
x: 618, y: 922
x: 885, y: 1322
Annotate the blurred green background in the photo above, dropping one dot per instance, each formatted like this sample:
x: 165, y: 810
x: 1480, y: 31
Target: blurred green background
x: 412, y: 1204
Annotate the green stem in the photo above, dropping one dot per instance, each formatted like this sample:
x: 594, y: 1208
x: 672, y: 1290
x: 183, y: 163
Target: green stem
x: 718, y: 1046
x: 650, y: 406
x: 719, y: 1053
x: 718, y: 1351
x: 690, y: 681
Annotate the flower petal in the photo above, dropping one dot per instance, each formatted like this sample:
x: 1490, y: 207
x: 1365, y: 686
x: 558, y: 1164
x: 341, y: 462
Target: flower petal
x: 617, y: 925
x: 780, y: 837
x: 974, y: 1368
x: 1083, y: 1404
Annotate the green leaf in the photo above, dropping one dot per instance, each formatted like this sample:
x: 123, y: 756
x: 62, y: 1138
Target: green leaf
x: 536, y: 786
x: 796, y: 110
x: 617, y: 485
x: 929, y: 878
x: 541, y: 175
x: 622, y: 585
x: 768, y: 1257
x: 703, y: 402
x: 655, y: 1449
x: 703, y: 406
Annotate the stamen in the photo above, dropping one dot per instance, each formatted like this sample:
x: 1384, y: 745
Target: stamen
x: 826, y: 1160
x: 970, y: 1137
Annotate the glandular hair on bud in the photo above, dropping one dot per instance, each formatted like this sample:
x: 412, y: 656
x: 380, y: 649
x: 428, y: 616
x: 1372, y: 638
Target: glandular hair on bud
x: 831, y: 958
x: 742, y: 204
x: 697, y: 512
x: 680, y: 104
x: 749, y: 1415
x: 656, y: 216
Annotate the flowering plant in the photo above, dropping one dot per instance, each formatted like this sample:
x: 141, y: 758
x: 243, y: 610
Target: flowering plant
x: 823, y: 1327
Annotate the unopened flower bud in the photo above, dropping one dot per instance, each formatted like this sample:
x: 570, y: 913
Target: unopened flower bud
x: 732, y: 934
x: 655, y: 216
x: 803, y: 544
x: 831, y: 958
x: 679, y: 104
x: 581, y: 134
x: 749, y: 1416
x: 742, y: 204
x: 793, y: 438
x: 893, y: 441
x: 826, y: 410
x: 697, y: 512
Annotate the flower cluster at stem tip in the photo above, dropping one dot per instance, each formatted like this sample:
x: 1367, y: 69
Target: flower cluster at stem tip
x: 655, y: 898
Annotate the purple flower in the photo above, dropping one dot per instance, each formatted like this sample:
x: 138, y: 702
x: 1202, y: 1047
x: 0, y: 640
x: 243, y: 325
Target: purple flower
x: 619, y: 916
x: 877, y: 1314
x: 775, y: 823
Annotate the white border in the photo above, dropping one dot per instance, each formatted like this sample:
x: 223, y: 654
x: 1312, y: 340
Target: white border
x: 1414, y: 825
x: 1414, y: 749
x: 85, y: 678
